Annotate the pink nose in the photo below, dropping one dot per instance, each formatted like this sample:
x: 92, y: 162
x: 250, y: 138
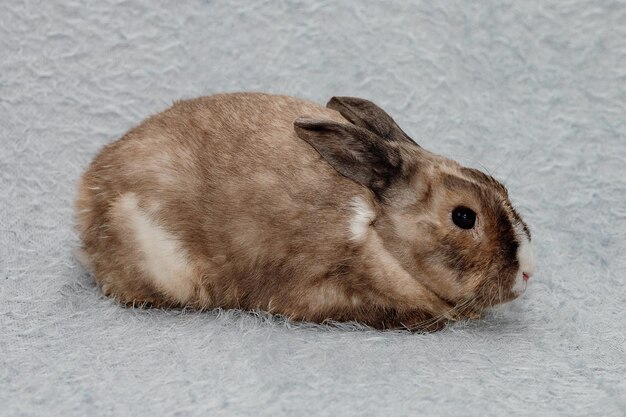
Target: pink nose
x: 525, y: 276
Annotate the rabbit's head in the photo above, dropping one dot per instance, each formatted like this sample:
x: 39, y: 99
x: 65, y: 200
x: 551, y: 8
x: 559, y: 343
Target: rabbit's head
x: 452, y: 228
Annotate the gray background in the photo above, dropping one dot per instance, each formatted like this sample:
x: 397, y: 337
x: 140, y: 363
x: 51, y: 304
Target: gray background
x: 535, y: 92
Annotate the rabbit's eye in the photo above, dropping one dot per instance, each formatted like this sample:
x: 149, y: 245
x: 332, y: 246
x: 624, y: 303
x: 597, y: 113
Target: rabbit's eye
x: 464, y: 217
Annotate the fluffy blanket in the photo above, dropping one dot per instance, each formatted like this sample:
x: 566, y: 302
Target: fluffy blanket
x: 533, y: 91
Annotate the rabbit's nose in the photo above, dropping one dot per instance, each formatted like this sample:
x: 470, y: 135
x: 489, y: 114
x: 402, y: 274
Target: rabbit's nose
x: 526, y: 276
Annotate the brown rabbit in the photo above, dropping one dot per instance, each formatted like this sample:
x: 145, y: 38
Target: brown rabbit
x: 266, y: 202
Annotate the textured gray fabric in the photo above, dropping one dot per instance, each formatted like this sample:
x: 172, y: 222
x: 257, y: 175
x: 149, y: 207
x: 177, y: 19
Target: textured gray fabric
x: 535, y: 92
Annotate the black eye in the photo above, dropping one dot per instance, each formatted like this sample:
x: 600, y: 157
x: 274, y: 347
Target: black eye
x: 464, y: 217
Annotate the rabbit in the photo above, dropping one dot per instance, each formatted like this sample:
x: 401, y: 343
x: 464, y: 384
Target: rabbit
x: 320, y: 214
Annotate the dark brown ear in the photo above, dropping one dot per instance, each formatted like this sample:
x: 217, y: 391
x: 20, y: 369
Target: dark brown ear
x: 365, y: 114
x: 354, y: 152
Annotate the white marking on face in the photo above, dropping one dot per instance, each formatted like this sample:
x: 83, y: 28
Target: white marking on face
x: 163, y: 258
x: 526, y: 260
x: 363, y: 217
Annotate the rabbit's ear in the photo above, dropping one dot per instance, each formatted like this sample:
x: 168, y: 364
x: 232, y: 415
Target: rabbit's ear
x: 365, y: 114
x: 354, y: 152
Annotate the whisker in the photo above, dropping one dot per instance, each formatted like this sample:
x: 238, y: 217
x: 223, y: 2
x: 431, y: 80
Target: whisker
x: 507, y: 159
x: 476, y: 161
x: 518, y: 164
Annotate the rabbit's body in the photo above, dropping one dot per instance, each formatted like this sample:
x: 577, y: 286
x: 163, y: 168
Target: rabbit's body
x: 217, y: 202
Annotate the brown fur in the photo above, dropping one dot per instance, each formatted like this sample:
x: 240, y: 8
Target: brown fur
x: 260, y: 219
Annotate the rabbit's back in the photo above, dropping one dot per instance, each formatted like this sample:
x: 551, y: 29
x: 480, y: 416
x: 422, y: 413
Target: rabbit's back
x: 215, y: 202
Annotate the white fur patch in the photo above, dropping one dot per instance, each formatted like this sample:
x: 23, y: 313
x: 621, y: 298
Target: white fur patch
x: 526, y: 260
x: 363, y: 217
x: 163, y: 258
